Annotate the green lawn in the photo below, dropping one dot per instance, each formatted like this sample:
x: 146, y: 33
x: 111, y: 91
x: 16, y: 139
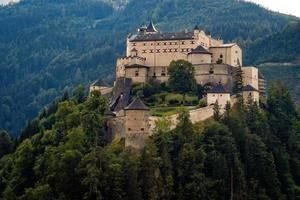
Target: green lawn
x: 163, y: 111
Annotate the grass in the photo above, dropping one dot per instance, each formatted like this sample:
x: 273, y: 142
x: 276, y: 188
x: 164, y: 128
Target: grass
x: 163, y: 111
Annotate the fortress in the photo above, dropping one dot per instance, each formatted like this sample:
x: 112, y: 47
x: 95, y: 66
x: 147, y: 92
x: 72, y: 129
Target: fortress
x: 148, y: 55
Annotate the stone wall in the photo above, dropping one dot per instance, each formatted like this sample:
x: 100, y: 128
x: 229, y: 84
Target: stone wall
x: 250, y: 76
x: 196, y: 115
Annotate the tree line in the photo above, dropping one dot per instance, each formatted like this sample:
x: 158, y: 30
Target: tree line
x: 247, y: 153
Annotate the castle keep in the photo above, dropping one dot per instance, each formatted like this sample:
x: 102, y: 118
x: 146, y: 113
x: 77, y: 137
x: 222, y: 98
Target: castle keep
x: 148, y: 55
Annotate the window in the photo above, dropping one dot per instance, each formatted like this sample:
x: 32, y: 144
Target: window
x: 134, y: 44
x: 151, y: 44
x: 182, y: 42
x: 170, y: 50
x: 144, y: 51
x: 163, y: 74
x: 158, y: 44
x: 129, y: 129
x: 221, y: 56
x: 165, y: 43
x: 175, y: 43
x: 176, y: 50
x: 192, y: 42
x: 165, y: 50
x: 151, y: 50
x: 142, y: 129
x: 154, y: 75
x: 136, y: 73
x: 214, y: 95
x: 220, y: 95
x: 170, y: 43
x: 158, y: 50
x: 144, y: 44
x: 211, y: 71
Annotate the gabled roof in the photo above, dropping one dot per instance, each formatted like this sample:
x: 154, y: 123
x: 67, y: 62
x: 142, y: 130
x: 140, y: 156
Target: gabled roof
x: 137, y: 104
x: 218, y: 89
x: 199, y: 50
x: 133, y: 50
x: 100, y: 83
x: 151, y: 28
x: 249, y: 88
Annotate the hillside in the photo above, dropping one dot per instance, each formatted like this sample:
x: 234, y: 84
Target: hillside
x: 53, y: 45
x: 287, y: 73
x: 285, y: 43
x: 249, y: 153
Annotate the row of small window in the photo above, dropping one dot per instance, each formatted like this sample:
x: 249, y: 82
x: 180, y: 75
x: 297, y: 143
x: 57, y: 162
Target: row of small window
x: 163, y: 73
x: 166, y: 50
x: 165, y: 43
x: 142, y: 129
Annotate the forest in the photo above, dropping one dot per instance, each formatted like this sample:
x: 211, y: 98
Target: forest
x: 249, y: 152
x: 48, y: 47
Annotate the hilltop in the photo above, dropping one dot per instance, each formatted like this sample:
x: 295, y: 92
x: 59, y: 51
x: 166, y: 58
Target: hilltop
x: 53, y: 46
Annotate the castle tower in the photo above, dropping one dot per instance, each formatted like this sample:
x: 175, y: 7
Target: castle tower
x: 220, y: 94
x: 136, y: 124
x: 101, y: 86
x: 199, y: 55
x: 250, y: 92
x: 151, y: 28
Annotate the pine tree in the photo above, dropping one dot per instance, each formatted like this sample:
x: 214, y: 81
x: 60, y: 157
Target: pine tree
x: 217, y: 113
x: 130, y: 171
x: 237, y: 80
x: 190, y: 177
x: 150, y: 174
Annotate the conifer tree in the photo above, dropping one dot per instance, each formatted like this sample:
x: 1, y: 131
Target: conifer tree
x: 237, y: 80
x: 217, y: 113
x: 130, y: 171
x: 150, y: 174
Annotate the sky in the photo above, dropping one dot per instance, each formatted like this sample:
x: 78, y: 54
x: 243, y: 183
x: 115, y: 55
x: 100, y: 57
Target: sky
x: 283, y: 6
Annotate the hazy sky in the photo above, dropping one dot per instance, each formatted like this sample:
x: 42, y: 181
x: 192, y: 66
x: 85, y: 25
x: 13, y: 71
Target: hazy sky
x: 284, y: 6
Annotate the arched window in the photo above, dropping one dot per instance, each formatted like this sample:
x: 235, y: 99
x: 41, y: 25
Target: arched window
x: 221, y: 56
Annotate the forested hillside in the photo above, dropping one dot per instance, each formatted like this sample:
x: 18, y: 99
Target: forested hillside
x: 248, y: 153
x: 283, y: 46
x: 50, y: 46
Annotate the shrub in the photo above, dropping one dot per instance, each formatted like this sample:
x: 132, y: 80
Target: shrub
x: 202, y: 103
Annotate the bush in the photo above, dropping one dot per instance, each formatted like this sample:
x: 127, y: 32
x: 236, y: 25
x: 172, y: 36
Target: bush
x: 173, y: 99
x: 202, y: 103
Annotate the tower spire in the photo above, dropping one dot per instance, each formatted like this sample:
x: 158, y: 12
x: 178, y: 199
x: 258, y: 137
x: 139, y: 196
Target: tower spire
x: 151, y: 28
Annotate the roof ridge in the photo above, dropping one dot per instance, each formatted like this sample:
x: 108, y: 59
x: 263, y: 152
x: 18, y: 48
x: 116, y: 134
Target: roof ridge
x: 137, y: 104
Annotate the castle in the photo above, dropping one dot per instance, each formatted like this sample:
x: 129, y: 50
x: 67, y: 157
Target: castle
x: 148, y: 55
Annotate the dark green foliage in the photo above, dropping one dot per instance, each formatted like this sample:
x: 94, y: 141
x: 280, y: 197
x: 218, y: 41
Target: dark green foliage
x: 242, y: 155
x: 53, y: 46
x: 6, y: 143
x: 217, y: 113
x: 286, y: 43
x: 237, y: 80
x: 182, y: 76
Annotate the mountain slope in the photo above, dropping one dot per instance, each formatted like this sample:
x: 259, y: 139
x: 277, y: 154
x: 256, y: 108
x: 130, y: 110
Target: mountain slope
x: 54, y: 45
x: 283, y: 46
